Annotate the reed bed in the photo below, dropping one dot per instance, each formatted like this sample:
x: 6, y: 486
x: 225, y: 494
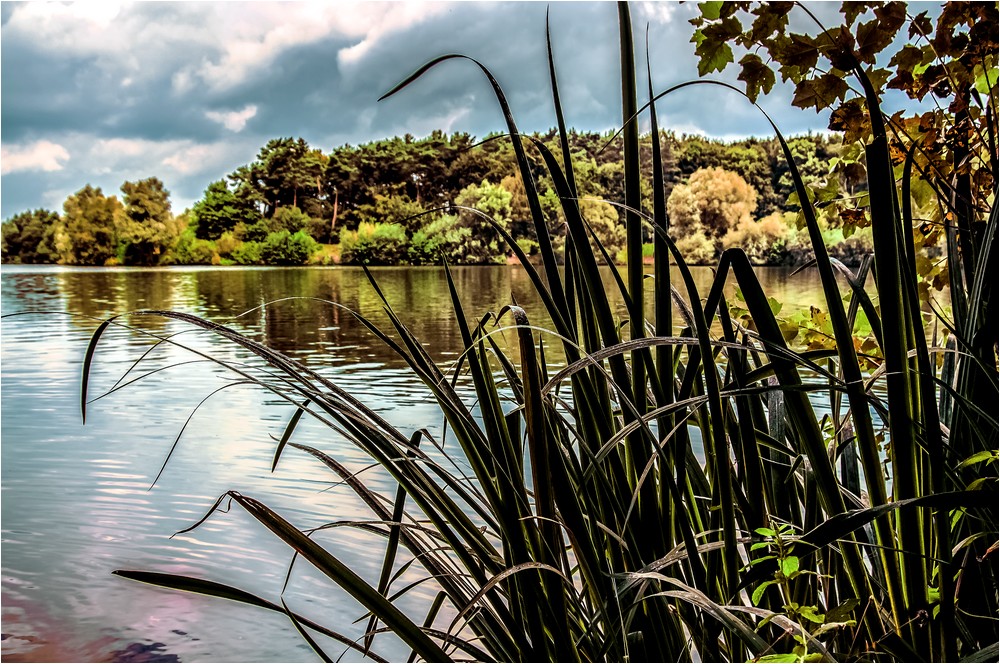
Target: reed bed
x: 591, y: 530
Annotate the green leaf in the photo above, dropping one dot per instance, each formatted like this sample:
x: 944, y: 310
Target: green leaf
x: 772, y: 17
x: 346, y: 578
x: 879, y: 77
x: 832, y: 626
x: 800, y: 51
x: 213, y: 589
x: 789, y: 330
x: 790, y: 566
x: 756, y: 561
x: 907, y: 58
x: 987, y: 654
x: 292, y: 423
x: 979, y: 457
x: 812, y: 614
x: 985, y: 79
x: 789, y: 657
x: 714, y: 54
x: 759, y: 592
x: 775, y: 305
x: 711, y: 10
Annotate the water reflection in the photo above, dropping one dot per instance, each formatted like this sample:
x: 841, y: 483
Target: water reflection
x: 76, y: 503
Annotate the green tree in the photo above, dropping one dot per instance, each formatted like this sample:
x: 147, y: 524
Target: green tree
x: 29, y: 237
x: 440, y: 239
x: 484, y: 244
x: 393, y: 209
x: 219, y: 210
x: 90, y: 222
x: 286, y: 173
x: 192, y: 250
x: 147, y: 228
x: 290, y: 219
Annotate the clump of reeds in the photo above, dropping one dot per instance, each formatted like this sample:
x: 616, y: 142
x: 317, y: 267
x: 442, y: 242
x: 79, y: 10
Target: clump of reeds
x: 786, y: 540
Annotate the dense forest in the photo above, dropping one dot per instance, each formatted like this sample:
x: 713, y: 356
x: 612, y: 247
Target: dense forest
x: 418, y: 201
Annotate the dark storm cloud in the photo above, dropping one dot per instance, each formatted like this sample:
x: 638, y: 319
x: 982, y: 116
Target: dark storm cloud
x: 47, y: 89
x: 189, y: 91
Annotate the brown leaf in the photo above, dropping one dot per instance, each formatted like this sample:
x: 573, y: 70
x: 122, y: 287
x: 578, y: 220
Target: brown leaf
x: 891, y: 16
x: 840, y: 48
x: 757, y: 75
x: 872, y: 40
x: 854, y: 218
x: 878, y: 77
x: 903, y: 80
x: 921, y: 25
x: 796, y: 51
x: 805, y: 95
x: 851, y: 10
x: 907, y: 58
x: 855, y: 172
x: 730, y: 8
x: 852, y: 119
x: 771, y: 18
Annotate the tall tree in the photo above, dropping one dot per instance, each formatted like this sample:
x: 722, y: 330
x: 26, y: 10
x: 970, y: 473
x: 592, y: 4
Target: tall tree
x: 219, y: 210
x: 285, y: 171
x: 90, y: 219
x: 147, y: 227
x: 29, y: 237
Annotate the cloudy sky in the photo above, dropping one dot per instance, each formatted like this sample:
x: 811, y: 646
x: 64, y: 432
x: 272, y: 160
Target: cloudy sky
x: 103, y: 92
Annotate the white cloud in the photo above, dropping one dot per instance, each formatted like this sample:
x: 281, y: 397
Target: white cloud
x: 72, y: 28
x: 447, y: 120
x: 233, y: 120
x: 382, y: 19
x: 248, y: 36
x: 131, y: 158
x: 657, y: 12
x: 199, y: 158
x: 37, y: 156
x: 218, y: 45
x: 252, y: 35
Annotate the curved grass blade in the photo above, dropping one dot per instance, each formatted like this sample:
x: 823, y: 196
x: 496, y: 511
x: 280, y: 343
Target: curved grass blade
x: 305, y: 635
x: 213, y: 589
x: 180, y: 433
x: 393, y: 544
x: 344, y: 577
x: 287, y: 433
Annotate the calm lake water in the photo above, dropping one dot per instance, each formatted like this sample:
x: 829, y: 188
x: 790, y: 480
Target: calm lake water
x: 76, y: 500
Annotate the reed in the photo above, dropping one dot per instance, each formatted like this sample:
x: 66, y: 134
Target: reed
x: 862, y: 530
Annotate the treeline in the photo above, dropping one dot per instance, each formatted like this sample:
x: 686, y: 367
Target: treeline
x: 408, y: 200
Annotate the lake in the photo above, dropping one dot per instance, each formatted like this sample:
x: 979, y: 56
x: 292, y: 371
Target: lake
x: 76, y: 500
